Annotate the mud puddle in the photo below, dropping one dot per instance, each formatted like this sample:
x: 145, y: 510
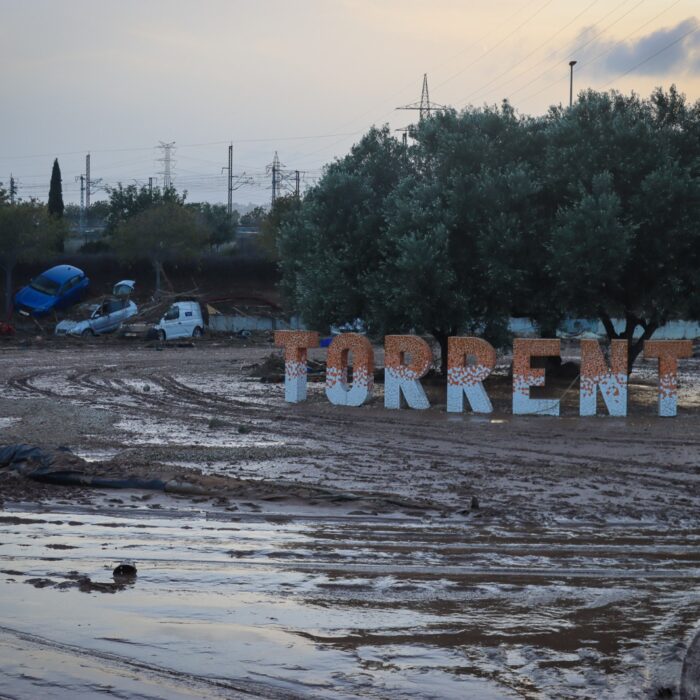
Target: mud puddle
x: 407, y: 608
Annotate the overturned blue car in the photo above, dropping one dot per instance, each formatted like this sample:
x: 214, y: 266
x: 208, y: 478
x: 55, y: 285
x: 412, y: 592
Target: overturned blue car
x: 57, y: 288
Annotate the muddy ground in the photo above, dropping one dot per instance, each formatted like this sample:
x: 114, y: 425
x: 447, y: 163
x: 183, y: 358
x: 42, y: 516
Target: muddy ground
x: 346, y: 552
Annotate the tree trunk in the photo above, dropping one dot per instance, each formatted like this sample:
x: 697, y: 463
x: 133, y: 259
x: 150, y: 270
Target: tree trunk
x: 607, y: 324
x: 441, y: 338
x: 156, y: 265
x: 634, y: 347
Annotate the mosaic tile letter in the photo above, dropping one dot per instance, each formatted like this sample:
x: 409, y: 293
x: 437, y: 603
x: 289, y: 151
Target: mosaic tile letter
x: 402, y: 378
x: 525, y: 376
x: 595, y: 374
x: 337, y: 389
x: 668, y: 352
x: 464, y: 377
x: 295, y: 344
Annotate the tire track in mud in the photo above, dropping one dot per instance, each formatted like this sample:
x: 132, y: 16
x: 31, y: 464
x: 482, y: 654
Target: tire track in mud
x: 516, y: 467
x: 176, y: 401
x: 174, y: 394
x: 177, y: 681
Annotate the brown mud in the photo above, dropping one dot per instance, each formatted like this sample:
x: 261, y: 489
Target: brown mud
x: 357, y: 552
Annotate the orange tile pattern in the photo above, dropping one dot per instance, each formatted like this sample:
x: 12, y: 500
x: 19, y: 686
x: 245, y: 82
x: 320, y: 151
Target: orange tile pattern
x: 295, y: 344
x: 337, y: 389
x: 668, y: 353
x: 401, y: 378
x: 465, y: 377
x: 596, y: 375
x: 525, y: 376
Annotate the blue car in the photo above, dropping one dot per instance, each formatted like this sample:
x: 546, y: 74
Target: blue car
x: 57, y: 288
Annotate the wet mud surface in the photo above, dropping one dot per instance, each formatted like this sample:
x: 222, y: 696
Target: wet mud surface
x: 347, y: 552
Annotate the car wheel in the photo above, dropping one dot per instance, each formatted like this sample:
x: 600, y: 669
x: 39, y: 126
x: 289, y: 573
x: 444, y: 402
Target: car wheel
x: 88, y: 333
x: 161, y: 336
x: 197, y: 332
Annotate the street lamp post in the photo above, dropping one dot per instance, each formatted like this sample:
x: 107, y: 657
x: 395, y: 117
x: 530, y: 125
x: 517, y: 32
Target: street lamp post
x: 571, y: 83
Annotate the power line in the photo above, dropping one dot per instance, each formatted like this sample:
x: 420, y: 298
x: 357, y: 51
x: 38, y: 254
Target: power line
x: 497, y: 44
x: 185, y: 145
x: 654, y: 55
x: 533, y: 52
x: 577, y: 49
x: 474, y: 62
x: 608, y: 50
x: 424, y: 106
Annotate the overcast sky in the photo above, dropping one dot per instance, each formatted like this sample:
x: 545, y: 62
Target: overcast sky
x: 303, y: 78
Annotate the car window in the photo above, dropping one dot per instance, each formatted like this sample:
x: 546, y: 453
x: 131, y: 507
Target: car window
x: 45, y: 285
x: 173, y: 313
x: 71, y: 283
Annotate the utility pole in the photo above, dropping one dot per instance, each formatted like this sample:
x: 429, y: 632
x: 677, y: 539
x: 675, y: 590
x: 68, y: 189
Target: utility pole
x: 167, y: 161
x: 150, y: 187
x: 229, y: 180
x: 231, y: 184
x: 13, y: 189
x: 87, y: 181
x: 90, y: 187
x: 571, y: 83
x: 81, y: 224
x: 296, y: 187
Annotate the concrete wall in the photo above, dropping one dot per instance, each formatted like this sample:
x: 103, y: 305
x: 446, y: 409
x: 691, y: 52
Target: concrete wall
x: 674, y: 330
x: 235, y: 323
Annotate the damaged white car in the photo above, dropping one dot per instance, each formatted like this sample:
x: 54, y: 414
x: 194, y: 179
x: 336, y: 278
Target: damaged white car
x: 105, y: 317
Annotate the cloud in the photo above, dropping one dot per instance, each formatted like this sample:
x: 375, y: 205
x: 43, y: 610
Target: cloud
x: 609, y: 57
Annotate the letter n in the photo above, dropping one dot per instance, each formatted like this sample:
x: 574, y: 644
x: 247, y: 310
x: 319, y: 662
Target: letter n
x: 596, y: 375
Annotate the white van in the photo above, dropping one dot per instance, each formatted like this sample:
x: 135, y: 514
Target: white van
x: 182, y: 320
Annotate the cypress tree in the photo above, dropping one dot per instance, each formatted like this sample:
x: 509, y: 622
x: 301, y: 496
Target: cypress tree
x: 56, y: 192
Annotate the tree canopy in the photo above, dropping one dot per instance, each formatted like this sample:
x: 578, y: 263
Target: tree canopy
x: 162, y: 233
x: 215, y: 218
x: 585, y: 211
x: 625, y: 240
x: 125, y: 202
x: 271, y: 223
x: 254, y: 217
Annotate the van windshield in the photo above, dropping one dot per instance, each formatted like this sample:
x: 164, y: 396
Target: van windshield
x: 45, y: 285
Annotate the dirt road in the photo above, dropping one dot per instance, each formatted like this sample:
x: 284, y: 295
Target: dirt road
x: 349, y: 557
